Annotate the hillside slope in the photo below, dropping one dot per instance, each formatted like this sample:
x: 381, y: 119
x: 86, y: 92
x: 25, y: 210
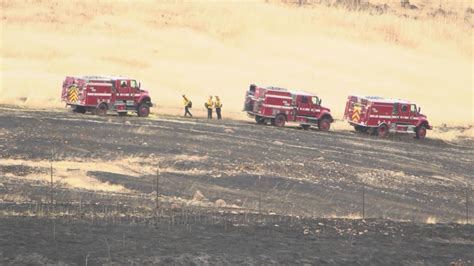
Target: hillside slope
x: 202, y: 48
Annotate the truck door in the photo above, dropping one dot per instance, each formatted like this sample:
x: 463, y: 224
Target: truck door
x: 123, y: 90
x: 315, y: 108
x: 413, y: 114
x: 134, y: 91
x: 404, y: 114
x: 303, y: 105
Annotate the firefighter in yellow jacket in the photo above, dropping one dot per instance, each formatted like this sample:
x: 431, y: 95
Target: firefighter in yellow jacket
x: 209, y: 105
x: 218, y: 105
x: 187, y: 105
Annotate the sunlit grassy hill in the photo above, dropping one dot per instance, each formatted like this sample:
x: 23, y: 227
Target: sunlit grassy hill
x: 219, y: 48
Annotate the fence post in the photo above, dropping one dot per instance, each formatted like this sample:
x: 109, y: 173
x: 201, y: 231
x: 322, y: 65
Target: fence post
x: 260, y: 195
x: 467, y: 203
x: 51, y: 209
x: 363, y: 200
x: 51, y: 190
x: 157, y: 201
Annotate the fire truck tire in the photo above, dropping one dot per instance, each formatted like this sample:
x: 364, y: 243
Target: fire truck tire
x: 421, y: 132
x: 324, y: 124
x: 260, y: 120
x: 101, y: 110
x: 143, y: 110
x: 279, y: 120
x: 382, y: 131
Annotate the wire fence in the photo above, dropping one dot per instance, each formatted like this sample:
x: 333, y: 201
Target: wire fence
x: 364, y: 202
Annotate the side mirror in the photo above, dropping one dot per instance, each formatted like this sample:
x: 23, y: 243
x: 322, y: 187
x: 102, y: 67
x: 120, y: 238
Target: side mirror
x: 320, y: 101
x: 419, y: 109
x: 139, y: 85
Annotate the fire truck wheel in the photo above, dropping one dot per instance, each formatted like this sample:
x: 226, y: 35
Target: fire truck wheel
x: 279, y: 120
x: 421, y: 132
x: 101, y: 109
x: 324, y: 124
x: 143, y: 110
x: 382, y: 131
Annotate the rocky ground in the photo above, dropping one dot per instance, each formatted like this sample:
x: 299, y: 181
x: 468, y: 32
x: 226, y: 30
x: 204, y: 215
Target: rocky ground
x: 229, y: 192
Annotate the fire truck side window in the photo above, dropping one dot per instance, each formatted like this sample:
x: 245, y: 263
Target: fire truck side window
x: 413, y: 108
x: 404, y: 108
x: 123, y: 83
x: 304, y: 99
x: 315, y: 100
x: 133, y: 84
x: 395, y: 108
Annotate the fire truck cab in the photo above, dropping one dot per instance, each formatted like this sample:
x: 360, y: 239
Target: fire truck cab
x: 380, y: 116
x: 278, y: 106
x: 98, y: 94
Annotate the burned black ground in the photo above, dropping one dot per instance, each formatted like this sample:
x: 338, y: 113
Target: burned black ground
x: 291, y: 172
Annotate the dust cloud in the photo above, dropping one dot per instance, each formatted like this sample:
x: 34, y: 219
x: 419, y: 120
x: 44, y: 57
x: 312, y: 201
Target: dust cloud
x: 219, y: 48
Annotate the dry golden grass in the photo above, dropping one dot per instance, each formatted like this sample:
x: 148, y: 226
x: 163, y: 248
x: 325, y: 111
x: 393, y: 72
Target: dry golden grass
x: 207, y: 48
x: 351, y: 216
x: 431, y: 220
x: 69, y: 174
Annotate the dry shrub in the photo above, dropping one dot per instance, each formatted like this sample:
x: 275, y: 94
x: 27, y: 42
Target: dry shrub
x: 198, y: 196
x: 220, y: 203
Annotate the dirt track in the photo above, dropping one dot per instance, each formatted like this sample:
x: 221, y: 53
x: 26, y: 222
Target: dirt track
x: 294, y: 172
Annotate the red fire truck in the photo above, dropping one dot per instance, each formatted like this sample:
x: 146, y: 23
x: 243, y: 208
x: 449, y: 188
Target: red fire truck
x: 278, y: 105
x: 380, y: 116
x: 98, y: 94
